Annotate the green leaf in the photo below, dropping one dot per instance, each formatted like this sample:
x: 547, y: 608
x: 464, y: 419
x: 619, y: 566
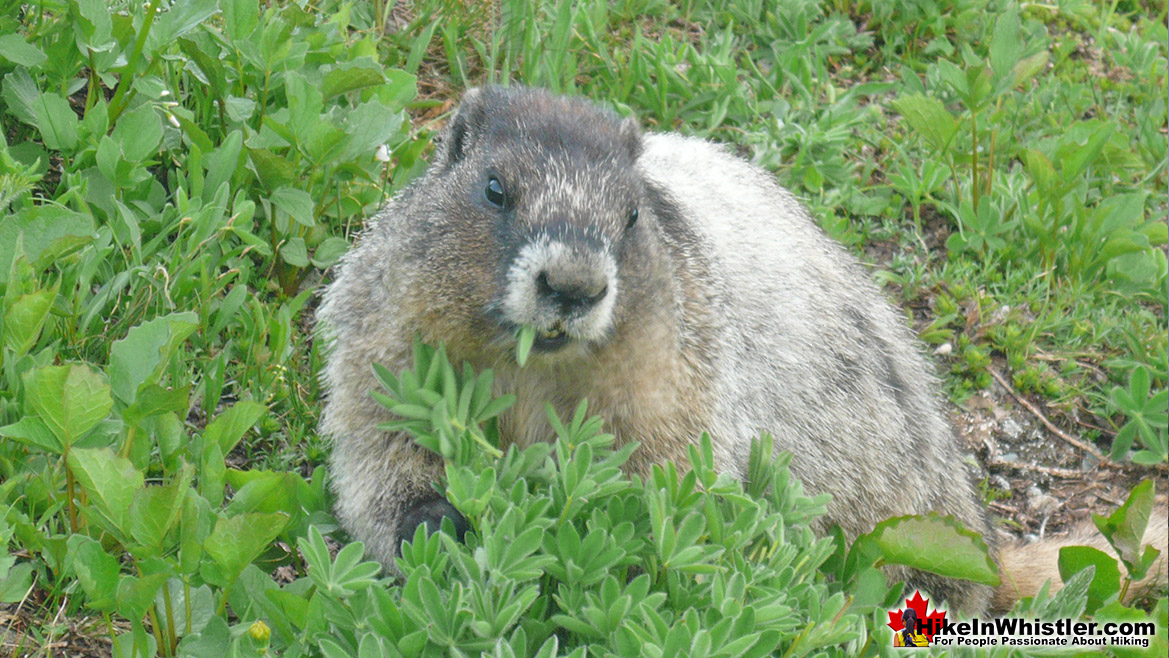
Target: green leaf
x: 273, y: 170
x: 348, y: 76
x: 1029, y: 67
x: 15, y: 49
x: 25, y: 319
x: 237, y: 541
x: 1105, y: 582
x: 92, y: 24
x: 294, y: 252
x: 33, y: 431
x: 136, y: 594
x: 47, y: 233
x: 937, y: 544
x: 153, y: 400
x: 20, y: 94
x: 1005, y: 47
x: 110, y: 481
x: 525, y: 338
x: 297, y: 203
x: 70, y: 400
x: 143, y: 354
x: 240, y: 18
x: 180, y: 19
x: 1040, y: 168
x: 261, y: 491
x: 1125, y: 528
x: 222, y: 163
x: 370, y: 125
x: 239, y: 109
x: 229, y: 427
x: 57, y: 122
x: 138, y: 132
x: 156, y: 510
x: 329, y: 251
x: 15, y: 585
x: 96, y: 570
x: 929, y: 118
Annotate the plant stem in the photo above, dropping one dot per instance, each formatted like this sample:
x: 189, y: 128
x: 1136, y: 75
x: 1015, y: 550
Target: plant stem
x: 70, y: 489
x: 118, y: 102
x: 173, y: 642
x: 974, y: 158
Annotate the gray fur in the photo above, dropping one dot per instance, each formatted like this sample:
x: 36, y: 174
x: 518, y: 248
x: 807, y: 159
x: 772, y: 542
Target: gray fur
x: 727, y: 309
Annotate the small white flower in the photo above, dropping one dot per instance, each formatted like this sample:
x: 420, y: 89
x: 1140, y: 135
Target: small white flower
x: 383, y: 154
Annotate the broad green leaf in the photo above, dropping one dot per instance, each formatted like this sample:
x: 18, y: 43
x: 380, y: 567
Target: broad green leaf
x: 222, y: 163
x: 15, y: 49
x: 180, y: 19
x: 110, y: 481
x: 329, y: 251
x: 929, y: 118
x: 20, y: 93
x: 239, y: 109
x: 229, y: 427
x: 138, y: 132
x: 1005, y: 47
x: 1125, y: 528
x: 348, y: 76
x: 370, y: 125
x: 108, y: 155
x: 136, y: 594
x: 1040, y: 168
x: 294, y: 252
x: 153, y: 400
x: 145, y: 351
x: 33, y: 431
x: 1029, y: 67
x: 1105, y: 582
x: 70, y: 400
x: 155, y: 510
x: 195, y: 524
x: 260, y: 491
x: 47, y: 232
x: 15, y: 585
x: 25, y: 319
x: 237, y: 541
x: 937, y: 544
x: 213, y: 640
x: 297, y: 203
x: 92, y: 24
x: 240, y: 18
x: 96, y: 570
x: 57, y: 122
x: 273, y: 170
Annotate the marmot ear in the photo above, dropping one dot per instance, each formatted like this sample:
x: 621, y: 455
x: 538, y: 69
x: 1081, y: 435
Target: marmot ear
x: 630, y: 135
x: 464, y: 127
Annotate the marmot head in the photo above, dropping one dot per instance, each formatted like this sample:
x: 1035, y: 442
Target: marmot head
x: 542, y: 220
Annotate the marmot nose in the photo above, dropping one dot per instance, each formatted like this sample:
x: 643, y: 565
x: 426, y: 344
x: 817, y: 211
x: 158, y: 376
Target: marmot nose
x: 572, y: 291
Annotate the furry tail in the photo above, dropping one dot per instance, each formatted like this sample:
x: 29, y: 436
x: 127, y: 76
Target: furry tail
x: 1025, y: 567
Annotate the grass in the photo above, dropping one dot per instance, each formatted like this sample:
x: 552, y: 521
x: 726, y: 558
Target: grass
x: 175, y: 185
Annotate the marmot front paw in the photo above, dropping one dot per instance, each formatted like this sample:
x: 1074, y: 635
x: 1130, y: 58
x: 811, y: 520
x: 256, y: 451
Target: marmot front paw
x: 431, y: 513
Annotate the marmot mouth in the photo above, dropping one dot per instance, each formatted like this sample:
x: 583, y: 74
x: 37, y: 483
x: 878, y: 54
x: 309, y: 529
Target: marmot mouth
x: 551, y: 339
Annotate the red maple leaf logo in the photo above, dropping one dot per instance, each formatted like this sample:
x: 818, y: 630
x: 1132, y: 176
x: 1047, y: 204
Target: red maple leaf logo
x: 930, y: 622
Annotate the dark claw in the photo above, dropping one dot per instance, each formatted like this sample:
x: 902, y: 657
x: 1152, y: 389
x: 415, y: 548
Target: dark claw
x: 431, y: 512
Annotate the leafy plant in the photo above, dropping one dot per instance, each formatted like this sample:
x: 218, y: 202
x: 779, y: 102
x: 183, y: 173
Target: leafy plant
x: 1124, y: 530
x: 1147, y: 419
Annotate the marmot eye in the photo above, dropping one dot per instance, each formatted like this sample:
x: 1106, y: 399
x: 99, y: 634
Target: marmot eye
x: 494, y: 192
x: 632, y: 219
